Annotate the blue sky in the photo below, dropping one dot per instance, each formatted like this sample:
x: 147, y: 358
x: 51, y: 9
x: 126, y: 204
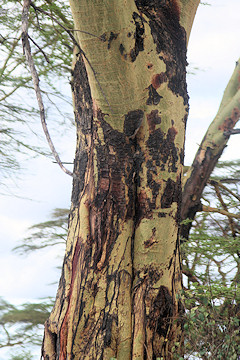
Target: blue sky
x: 214, y: 48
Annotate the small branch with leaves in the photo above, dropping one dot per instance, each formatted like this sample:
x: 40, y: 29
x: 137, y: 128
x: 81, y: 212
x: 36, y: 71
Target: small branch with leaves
x: 35, y: 78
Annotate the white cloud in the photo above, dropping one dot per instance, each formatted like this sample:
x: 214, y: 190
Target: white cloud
x: 29, y: 277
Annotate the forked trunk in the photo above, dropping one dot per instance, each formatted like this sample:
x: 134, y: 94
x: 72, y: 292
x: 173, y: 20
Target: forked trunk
x: 118, y: 294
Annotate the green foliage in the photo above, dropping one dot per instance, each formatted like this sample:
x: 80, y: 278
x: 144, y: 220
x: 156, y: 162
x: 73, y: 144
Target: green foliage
x: 22, y: 326
x: 211, y: 265
x: 30, y: 315
x: 25, y: 355
x: 211, y: 326
x: 49, y: 233
x: 52, y: 52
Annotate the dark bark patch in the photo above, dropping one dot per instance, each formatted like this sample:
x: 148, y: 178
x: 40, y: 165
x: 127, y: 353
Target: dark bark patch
x: 111, y: 38
x: 153, y: 274
x: 170, y: 39
x: 152, y: 184
x: 153, y: 96
x: 80, y: 163
x: 82, y: 97
x: 230, y: 122
x: 132, y: 122
x: 161, y: 312
x: 172, y: 132
x: 158, y: 79
x: 181, y: 155
x: 84, y: 122
x: 171, y: 6
x: 121, y: 49
x: 153, y: 119
x: 162, y: 215
x: 170, y: 194
x: 139, y: 37
x: 95, y: 289
x: 178, y: 199
x: 114, y: 194
x: 148, y: 243
x: 163, y: 150
x: 107, y: 327
x: 143, y: 207
x: 149, y: 66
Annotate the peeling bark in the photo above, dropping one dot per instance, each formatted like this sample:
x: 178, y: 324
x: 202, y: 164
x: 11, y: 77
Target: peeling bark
x: 121, y: 275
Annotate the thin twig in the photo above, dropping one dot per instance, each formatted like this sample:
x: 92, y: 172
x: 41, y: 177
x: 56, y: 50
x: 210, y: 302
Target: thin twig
x: 231, y: 222
x: 35, y: 78
x: 232, y: 132
x: 213, y: 182
x: 219, y: 211
x: 46, y: 58
x: 190, y: 275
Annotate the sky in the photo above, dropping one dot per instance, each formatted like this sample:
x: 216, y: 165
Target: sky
x: 214, y: 48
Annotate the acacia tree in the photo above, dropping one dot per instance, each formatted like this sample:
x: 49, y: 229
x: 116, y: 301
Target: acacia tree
x: 118, y: 294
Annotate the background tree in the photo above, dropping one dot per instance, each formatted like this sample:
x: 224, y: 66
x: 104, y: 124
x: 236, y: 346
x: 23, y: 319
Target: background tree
x: 211, y: 270
x: 21, y: 326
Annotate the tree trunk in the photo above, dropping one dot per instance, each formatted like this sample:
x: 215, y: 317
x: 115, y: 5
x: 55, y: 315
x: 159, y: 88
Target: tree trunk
x: 118, y: 293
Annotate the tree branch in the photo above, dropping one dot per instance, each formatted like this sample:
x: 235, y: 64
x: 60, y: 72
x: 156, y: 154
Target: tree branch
x: 220, y: 211
x: 231, y: 223
x: 187, y: 14
x: 190, y: 276
x: 211, y: 149
x: 232, y: 132
x: 219, y: 183
x: 35, y: 78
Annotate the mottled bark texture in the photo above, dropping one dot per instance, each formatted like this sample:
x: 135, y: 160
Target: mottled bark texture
x: 118, y: 293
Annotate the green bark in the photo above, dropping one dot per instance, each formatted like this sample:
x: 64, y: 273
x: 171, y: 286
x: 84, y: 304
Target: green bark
x: 117, y: 296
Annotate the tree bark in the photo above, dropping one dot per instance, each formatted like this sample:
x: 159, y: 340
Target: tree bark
x: 118, y: 293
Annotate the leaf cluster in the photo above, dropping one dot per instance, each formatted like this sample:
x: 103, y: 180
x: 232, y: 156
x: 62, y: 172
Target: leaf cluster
x: 23, y: 325
x: 46, y: 234
x: 52, y: 53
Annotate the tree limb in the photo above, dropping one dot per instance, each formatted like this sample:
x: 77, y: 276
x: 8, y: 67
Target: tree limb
x: 232, y: 132
x: 35, y: 78
x: 190, y: 275
x: 211, y: 149
x: 220, y: 211
x: 219, y: 183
